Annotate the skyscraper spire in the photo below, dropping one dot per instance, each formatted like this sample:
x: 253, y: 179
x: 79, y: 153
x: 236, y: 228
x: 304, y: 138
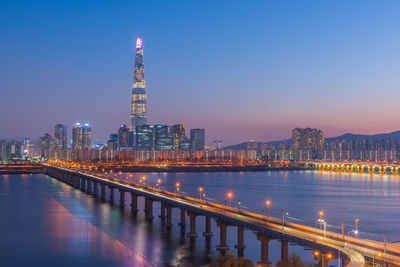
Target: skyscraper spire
x: 138, y: 107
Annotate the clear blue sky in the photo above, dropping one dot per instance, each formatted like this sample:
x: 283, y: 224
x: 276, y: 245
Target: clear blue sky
x: 241, y: 69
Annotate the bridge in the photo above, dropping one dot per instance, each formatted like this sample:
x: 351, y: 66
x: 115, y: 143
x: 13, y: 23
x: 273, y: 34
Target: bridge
x: 353, y: 252
x: 357, y: 167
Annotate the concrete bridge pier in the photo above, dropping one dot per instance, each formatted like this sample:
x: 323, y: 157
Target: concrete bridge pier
x: 223, y: 246
x: 162, y: 215
x: 83, y: 185
x: 240, y: 246
x: 284, y: 250
x: 111, y: 195
x: 183, y: 218
x: 76, y: 181
x: 208, y: 227
x: 264, y: 249
x: 134, y: 208
x: 103, y: 192
x: 169, y: 216
x: 89, y: 187
x: 148, y: 208
x: 192, y: 217
x: 95, y: 188
x: 121, y: 198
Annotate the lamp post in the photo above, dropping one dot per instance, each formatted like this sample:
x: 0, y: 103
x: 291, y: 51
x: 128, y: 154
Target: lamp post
x: 177, y: 185
x: 229, y: 195
x: 321, y: 213
x: 200, y: 191
x: 159, y: 183
x: 268, y: 203
x: 356, y: 231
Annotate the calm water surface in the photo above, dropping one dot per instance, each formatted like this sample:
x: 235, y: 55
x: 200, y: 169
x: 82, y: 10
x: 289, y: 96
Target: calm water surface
x: 45, y: 222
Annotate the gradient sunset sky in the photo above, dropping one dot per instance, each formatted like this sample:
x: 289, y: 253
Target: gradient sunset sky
x: 241, y: 69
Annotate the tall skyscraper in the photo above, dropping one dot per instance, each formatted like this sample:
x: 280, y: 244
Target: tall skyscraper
x: 60, y: 136
x: 2, y: 150
x: 81, y: 136
x: 197, y: 139
x: 138, y: 106
x: 77, y: 136
x: 45, y: 145
x: 178, y: 132
x: 123, y: 136
x: 86, y: 136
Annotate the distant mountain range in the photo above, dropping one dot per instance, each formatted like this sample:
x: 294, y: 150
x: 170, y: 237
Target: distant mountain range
x: 345, y: 137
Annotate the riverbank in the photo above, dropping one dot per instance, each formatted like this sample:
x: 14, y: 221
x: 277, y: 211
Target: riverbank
x: 252, y: 168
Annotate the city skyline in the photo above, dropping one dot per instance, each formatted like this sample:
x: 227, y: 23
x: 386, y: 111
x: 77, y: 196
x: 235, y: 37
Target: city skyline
x: 330, y: 75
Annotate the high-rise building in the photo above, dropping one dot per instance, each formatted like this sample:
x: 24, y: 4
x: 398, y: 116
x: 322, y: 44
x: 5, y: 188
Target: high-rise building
x: 86, y: 136
x: 60, y: 136
x: 197, y: 139
x: 307, y: 138
x: 45, y: 145
x: 123, y: 136
x: 184, y: 143
x: 112, y: 144
x: 77, y: 136
x: 178, y: 132
x: 3, y: 150
x: 144, y: 137
x: 163, y: 139
x: 81, y: 136
x: 138, y: 106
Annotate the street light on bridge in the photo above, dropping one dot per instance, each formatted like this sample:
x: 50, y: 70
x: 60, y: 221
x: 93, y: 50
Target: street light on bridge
x: 356, y: 231
x: 320, y: 220
x: 229, y: 195
x: 268, y: 203
x: 200, y: 191
x: 177, y: 185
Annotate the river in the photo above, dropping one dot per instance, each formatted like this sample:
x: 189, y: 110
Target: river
x: 45, y: 222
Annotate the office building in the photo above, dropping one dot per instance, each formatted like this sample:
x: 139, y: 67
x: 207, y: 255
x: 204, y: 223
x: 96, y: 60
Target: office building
x: 197, y: 139
x: 184, y: 143
x: 178, y: 132
x: 123, y: 136
x: 60, y: 136
x: 138, y: 105
x: 144, y: 137
x: 163, y: 139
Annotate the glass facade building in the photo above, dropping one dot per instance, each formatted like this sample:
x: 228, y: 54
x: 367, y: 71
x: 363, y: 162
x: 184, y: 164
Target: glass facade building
x: 138, y: 106
x: 197, y: 139
x: 123, y: 136
x: 144, y: 137
x: 60, y: 136
x: 163, y: 139
x: 178, y: 132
